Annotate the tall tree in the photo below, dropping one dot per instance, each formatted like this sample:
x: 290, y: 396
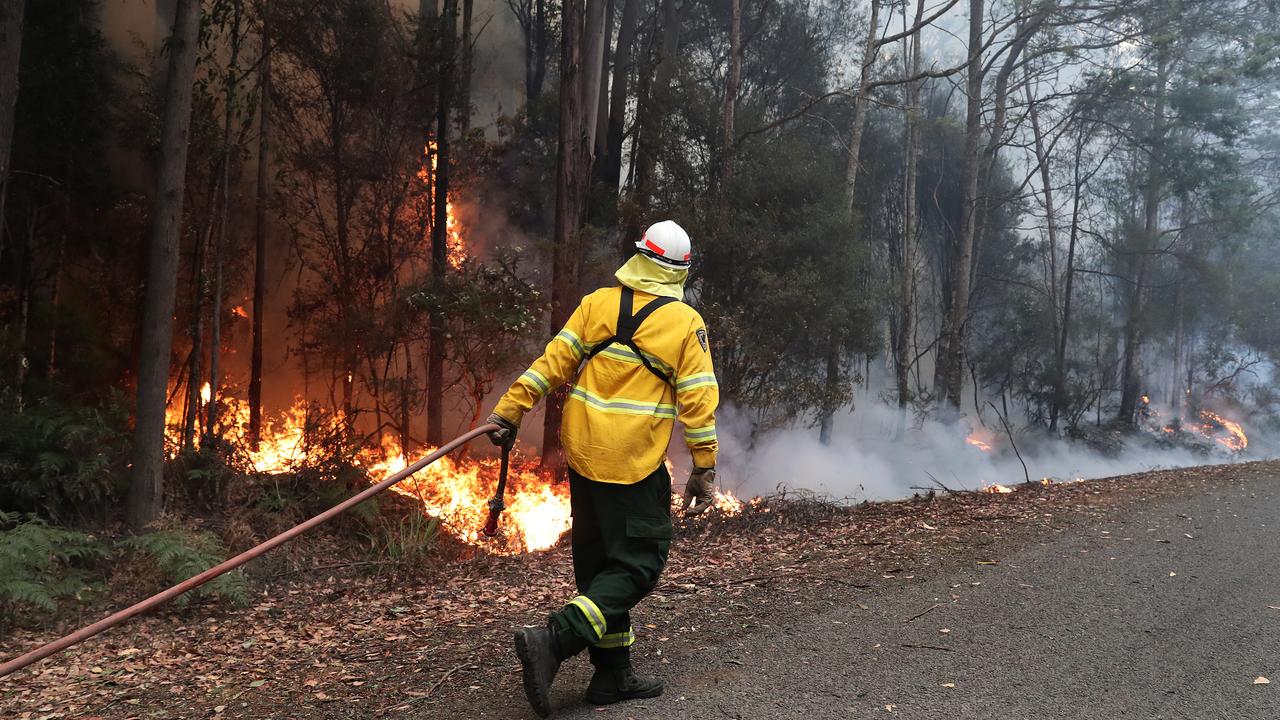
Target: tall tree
x: 904, y: 340
x: 146, y: 483
x: 610, y: 165
x: 732, y: 83
x: 582, y: 30
x: 949, y: 372
x: 261, y: 200
x: 440, y: 223
x: 11, y: 14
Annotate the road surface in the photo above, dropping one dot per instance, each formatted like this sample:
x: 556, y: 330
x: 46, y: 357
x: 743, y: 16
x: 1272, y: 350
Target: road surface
x: 1168, y: 610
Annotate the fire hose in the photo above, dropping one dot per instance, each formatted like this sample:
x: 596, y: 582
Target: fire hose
x: 490, y: 529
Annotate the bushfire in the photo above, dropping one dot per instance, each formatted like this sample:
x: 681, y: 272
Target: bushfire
x: 454, y: 490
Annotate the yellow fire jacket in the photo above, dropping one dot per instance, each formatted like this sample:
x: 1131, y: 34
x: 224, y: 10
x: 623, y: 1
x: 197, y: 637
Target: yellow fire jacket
x: 619, y: 416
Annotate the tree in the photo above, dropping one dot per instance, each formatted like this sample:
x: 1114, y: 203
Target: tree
x: 260, y: 230
x: 146, y: 484
x: 582, y: 30
x: 11, y: 14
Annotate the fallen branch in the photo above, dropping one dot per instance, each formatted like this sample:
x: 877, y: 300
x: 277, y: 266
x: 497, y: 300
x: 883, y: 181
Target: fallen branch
x: 926, y: 611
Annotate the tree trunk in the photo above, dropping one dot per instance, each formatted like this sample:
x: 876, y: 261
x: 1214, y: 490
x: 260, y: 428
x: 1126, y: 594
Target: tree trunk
x: 468, y: 61
x: 861, y: 105
x: 653, y: 112
x: 224, y: 213
x: 593, y: 49
x: 1140, y: 258
x: 904, y: 350
x: 1064, y: 331
x: 11, y: 20
x: 146, y: 482
x: 573, y: 168
x: 538, y: 75
x: 440, y: 225
x: 610, y: 165
x: 732, y: 81
x: 601, y: 127
x: 191, y: 418
x: 949, y: 375
x: 260, y: 244
x: 857, y: 126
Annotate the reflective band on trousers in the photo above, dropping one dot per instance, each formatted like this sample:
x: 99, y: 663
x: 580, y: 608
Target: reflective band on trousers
x: 591, y: 612
x: 623, y: 406
x: 702, y: 433
x: 618, y: 640
x: 539, y: 382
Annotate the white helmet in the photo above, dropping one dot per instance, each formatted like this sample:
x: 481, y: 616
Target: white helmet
x: 667, y: 244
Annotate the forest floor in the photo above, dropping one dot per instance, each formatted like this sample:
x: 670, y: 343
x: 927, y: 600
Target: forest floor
x: 944, y: 606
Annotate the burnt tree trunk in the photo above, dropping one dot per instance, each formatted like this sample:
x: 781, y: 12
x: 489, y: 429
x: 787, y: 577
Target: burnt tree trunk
x: 440, y: 225
x: 224, y: 215
x: 146, y: 481
x: 260, y: 243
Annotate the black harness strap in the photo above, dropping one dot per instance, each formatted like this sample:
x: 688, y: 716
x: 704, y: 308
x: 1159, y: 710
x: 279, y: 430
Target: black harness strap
x: 627, y: 326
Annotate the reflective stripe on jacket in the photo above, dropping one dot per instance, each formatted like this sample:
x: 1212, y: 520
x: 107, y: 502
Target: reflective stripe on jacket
x: 618, y: 417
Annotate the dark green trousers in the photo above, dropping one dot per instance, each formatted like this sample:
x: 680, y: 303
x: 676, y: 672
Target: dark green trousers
x: 621, y: 537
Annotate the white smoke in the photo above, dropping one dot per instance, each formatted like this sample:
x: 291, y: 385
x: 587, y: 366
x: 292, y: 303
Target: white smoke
x: 867, y: 460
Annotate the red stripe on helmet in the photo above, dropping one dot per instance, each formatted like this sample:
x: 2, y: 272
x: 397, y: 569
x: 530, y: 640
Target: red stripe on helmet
x: 650, y: 244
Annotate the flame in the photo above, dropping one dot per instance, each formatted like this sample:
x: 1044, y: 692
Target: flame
x: 996, y: 488
x: 454, y: 491
x: 206, y: 394
x: 1146, y: 400
x: 457, y: 494
x: 455, y: 245
x: 239, y: 311
x: 1234, y: 440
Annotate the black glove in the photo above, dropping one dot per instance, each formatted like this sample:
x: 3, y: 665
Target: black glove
x: 700, y: 487
x: 505, y: 435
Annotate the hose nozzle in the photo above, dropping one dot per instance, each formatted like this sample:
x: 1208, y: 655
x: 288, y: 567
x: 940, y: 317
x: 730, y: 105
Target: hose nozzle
x: 496, y: 507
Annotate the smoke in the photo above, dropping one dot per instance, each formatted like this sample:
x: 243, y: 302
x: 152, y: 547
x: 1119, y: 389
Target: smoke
x: 868, y: 460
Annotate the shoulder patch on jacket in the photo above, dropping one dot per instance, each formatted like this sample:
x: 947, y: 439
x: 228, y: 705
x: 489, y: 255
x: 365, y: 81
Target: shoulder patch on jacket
x: 702, y: 338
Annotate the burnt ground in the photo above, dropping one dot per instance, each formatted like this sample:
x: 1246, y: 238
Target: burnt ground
x: 1152, y: 595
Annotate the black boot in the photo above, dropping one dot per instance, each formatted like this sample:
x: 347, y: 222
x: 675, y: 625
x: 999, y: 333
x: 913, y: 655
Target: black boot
x: 611, y: 685
x: 541, y: 650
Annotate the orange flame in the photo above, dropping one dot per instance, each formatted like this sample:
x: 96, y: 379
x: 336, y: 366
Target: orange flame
x: 239, y: 311
x: 1235, y: 439
x: 457, y: 494
x: 997, y: 488
x: 456, y: 246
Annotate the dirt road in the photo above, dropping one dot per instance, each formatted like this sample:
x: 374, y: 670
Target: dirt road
x: 1169, y: 609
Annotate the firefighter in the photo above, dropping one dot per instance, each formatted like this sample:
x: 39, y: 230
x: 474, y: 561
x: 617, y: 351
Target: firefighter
x: 637, y: 359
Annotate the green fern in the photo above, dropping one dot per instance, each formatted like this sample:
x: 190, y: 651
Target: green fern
x: 181, y: 554
x: 40, y: 564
